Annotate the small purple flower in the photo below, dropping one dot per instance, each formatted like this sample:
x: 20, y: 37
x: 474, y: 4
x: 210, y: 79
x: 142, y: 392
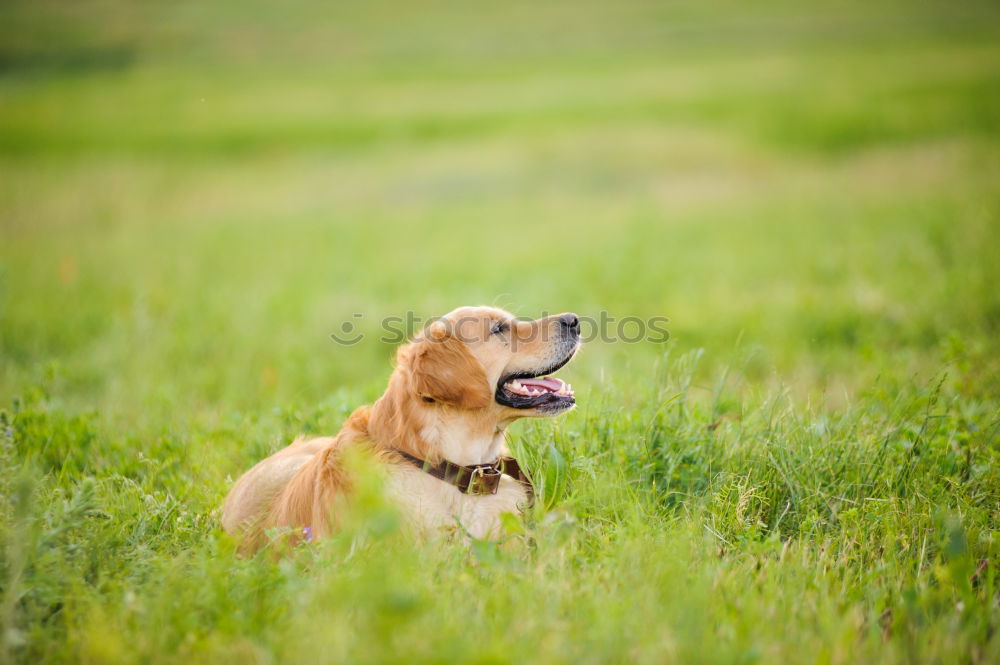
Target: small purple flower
x: 308, y: 533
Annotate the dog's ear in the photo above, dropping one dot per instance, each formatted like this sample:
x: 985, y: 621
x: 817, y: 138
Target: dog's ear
x: 444, y: 370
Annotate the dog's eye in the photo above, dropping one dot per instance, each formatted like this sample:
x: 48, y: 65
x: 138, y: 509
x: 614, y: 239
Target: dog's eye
x: 500, y: 327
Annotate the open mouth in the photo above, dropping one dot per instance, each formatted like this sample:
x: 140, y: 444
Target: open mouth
x: 538, y: 386
x: 535, y: 391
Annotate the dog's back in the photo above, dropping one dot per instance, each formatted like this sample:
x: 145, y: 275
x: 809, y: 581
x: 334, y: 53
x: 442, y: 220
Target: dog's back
x: 253, y: 495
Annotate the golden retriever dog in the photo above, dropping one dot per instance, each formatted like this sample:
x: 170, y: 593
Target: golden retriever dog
x: 437, y: 431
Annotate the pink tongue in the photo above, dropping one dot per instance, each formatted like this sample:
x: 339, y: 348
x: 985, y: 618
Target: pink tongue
x: 547, y: 383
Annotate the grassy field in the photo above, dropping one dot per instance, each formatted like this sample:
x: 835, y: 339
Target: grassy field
x: 194, y: 196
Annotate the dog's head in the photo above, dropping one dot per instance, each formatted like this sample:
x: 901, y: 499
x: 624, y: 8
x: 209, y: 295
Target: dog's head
x: 484, y: 358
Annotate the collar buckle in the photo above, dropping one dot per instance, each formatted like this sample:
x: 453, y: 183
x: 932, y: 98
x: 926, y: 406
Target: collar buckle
x: 485, y: 479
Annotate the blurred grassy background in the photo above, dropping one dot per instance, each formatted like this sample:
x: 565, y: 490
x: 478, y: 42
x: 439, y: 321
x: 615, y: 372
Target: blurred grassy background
x: 193, y: 196
x: 203, y: 193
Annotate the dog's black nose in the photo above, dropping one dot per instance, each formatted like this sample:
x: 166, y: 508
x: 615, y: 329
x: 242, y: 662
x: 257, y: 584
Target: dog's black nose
x: 570, y: 321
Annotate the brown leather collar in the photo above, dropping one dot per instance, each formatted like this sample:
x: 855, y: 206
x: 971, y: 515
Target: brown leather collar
x: 475, y: 479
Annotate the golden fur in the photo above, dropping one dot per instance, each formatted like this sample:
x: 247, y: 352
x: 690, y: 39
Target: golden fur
x: 439, y: 404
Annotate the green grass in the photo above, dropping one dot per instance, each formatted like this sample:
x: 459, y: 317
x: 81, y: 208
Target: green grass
x: 193, y: 196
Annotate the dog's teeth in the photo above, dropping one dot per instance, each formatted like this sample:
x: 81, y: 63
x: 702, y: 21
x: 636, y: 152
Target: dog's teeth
x: 517, y: 387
